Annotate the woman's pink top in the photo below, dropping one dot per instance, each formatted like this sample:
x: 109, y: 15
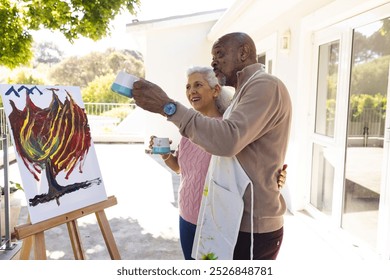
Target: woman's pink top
x: 193, y: 162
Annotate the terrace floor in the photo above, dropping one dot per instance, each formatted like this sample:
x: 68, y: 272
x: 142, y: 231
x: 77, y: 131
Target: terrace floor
x: 145, y: 224
x: 145, y: 220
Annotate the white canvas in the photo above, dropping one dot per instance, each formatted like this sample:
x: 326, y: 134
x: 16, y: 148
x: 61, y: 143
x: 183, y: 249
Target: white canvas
x: 50, y: 132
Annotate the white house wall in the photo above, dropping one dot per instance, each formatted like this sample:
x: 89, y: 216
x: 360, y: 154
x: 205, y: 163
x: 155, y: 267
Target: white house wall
x: 172, y: 46
x: 175, y: 44
x: 170, y: 50
x: 264, y: 19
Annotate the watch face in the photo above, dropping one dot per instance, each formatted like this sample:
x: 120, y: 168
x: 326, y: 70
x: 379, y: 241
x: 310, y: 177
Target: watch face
x: 170, y: 109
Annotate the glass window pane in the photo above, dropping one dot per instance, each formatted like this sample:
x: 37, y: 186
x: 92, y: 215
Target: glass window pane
x: 366, y: 123
x: 328, y: 67
x: 321, y: 195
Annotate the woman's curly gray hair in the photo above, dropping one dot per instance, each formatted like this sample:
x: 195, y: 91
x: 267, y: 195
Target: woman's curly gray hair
x: 225, y: 96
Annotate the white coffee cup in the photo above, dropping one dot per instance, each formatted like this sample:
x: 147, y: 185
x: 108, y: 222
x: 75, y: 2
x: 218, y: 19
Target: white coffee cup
x: 161, y: 146
x: 123, y: 84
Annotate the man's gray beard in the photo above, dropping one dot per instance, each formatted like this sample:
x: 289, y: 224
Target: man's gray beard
x: 222, y: 81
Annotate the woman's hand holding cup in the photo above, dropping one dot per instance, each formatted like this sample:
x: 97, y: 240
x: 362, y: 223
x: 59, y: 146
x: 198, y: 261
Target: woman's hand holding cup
x: 160, y: 145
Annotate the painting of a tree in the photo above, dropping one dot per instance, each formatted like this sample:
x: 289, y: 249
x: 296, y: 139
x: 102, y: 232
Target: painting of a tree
x: 53, y: 144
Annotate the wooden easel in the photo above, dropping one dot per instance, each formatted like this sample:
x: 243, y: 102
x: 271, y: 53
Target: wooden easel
x: 33, y: 234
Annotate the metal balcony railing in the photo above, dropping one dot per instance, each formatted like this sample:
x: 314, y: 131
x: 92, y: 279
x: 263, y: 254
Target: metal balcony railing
x: 102, y: 118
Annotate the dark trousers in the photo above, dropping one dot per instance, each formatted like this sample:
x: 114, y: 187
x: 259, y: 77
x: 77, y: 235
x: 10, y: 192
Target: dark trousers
x: 187, y: 235
x: 266, y: 245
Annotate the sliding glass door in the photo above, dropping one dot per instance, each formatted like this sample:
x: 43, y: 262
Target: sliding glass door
x: 351, y: 129
x: 368, y: 96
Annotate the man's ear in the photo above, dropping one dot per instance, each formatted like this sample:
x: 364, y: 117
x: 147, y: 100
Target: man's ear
x: 244, y: 52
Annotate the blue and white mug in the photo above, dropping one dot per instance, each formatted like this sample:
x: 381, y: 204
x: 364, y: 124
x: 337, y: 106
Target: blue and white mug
x: 161, y: 146
x: 123, y: 84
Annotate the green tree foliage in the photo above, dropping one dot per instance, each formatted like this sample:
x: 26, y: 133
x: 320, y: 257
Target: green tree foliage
x: 367, y: 48
x: 15, y: 42
x: 94, y: 73
x: 381, y: 39
x: 80, y: 71
x: 130, y: 61
x: 23, y: 75
x: 371, y: 77
x: 73, y: 18
x: 99, y: 91
x: 360, y: 104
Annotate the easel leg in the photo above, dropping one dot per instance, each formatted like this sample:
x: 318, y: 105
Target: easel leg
x: 107, y: 235
x: 75, y: 239
x: 39, y: 246
x: 38, y: 240
x: 26, y: 248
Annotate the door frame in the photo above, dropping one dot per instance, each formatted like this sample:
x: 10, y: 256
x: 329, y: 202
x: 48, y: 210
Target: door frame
x: 343, y: 31
x: 384, y: 203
